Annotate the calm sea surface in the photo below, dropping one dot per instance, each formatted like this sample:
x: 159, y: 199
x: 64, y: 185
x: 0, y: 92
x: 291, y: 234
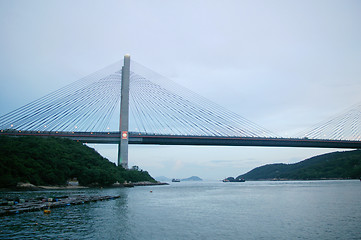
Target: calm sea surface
x: 200, y: 210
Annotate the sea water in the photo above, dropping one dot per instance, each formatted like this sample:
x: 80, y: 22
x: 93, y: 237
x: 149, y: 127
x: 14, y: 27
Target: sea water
x: 199, y: 210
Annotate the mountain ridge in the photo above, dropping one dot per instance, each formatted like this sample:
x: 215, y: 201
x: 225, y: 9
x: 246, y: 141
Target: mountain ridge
x: 335, y: 165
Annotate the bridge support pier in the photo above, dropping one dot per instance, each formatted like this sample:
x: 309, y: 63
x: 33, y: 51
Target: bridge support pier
x: 124, y: 114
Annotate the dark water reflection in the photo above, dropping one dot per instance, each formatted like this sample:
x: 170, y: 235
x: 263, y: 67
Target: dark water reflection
x: 206, y: 210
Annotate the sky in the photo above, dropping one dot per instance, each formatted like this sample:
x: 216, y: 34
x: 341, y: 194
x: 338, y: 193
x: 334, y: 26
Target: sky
x: 285, y: 65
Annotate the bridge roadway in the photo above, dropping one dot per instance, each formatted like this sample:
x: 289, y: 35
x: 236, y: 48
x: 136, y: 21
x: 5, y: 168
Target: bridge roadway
x: 138, y: 138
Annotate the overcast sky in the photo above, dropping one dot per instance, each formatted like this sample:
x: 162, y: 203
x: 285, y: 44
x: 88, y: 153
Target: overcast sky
x: 285, y: 65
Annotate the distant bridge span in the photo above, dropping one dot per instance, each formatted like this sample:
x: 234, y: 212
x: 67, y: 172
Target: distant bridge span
x: 138, y: 138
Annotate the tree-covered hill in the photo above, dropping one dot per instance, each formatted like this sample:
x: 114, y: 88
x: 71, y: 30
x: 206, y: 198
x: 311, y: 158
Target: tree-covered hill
x: 337, y: 165
x: 53, y: 161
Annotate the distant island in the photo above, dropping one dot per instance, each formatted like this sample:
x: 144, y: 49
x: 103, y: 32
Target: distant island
x: 193, y: 178
x: 56, y: 161
x: 165, y: 179
x: 336, y: 165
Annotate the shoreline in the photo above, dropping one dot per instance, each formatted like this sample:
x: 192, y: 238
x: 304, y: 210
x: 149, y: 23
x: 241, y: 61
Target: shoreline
x: 289, y: 179
x: 31, y: 187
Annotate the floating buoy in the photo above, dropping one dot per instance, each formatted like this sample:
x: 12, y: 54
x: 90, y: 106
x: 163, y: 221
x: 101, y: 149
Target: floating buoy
x: 151, y: 191
x: 47, y: 211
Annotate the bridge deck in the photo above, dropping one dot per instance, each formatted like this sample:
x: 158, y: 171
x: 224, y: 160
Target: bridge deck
x: 137, y: 138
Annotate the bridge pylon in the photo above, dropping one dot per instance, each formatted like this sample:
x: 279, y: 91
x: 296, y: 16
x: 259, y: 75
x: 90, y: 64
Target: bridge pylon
x: 124, y: 114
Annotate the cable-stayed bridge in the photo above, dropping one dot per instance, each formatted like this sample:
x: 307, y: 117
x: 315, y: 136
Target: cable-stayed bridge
x: 130, y: 104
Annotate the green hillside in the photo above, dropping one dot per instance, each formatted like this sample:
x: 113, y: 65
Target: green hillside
x: 53, y: 161
x: 337, y: 165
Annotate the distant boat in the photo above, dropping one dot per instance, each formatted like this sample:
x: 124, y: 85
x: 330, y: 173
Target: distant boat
x: 175, y: 180
x: 231, y: 179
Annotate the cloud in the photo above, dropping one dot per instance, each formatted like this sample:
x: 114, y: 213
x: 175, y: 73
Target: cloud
x: 178, y: 165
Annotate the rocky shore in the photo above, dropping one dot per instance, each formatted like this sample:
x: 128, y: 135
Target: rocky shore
x: 31, y: 187
x: 145, y: 183
x: 149, y: 183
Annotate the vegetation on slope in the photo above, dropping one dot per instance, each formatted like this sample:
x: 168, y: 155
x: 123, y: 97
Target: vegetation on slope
x: 337, y: 165
x: 53, y: 161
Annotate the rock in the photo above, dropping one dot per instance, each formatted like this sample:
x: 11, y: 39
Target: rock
x: 26, y: 186
x: 149, y: 183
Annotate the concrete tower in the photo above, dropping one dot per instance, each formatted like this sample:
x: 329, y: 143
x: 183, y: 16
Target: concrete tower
x: 124, y: 114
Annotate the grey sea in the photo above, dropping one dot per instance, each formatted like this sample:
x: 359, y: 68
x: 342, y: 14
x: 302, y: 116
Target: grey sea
x: 200, y: 210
